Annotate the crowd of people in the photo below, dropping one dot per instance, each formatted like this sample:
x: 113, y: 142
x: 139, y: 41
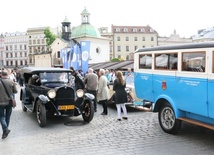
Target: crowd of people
x: 98, y: 84
x: 93, y: 82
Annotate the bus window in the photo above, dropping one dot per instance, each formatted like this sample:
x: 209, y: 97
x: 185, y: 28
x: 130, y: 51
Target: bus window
x: 193, y: 62
x: 166, y: 61
x: 145, y: 61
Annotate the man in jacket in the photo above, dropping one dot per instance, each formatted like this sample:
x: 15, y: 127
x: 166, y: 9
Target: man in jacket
x: 91, y: 81
x: 5, y: 108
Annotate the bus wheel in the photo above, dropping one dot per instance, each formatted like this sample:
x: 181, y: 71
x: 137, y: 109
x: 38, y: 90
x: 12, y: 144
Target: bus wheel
x: 167, y: 120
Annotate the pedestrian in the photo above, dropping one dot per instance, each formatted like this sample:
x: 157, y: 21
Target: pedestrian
x: 78, y: 79
x: 91, y: 83
x: 103, y: 91
x: 120, y: 95
x: 108, y: 76
x: 6, y: 85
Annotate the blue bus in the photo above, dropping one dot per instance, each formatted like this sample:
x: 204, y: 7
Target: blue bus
x: 178, y: 80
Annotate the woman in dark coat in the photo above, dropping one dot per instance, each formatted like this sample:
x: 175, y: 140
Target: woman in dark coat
x: 120, y: 95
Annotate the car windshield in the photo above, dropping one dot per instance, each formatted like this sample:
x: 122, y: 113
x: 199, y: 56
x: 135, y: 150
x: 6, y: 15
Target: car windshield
x: 54, y: 77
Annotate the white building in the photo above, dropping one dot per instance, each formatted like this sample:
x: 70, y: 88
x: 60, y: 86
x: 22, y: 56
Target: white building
x: 15, y: 49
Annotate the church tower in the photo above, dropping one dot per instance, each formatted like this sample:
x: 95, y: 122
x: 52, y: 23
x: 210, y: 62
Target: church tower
x: 85, y: 16
x: 66, y: 29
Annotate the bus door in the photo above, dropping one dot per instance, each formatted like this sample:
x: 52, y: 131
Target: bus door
x: 143, y: 78
x: 192, y: 84
x: 144, y: 86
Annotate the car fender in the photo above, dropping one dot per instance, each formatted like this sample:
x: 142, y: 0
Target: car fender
x: 44, y: 99
x: 161, y: 99
x: 89, y: 96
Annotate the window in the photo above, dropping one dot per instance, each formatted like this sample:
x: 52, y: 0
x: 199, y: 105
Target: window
x: 117, y: 29
x: 127, y: 48
x: 143, y: 39
x: 119, y: 56
x: 58, y: 54
x: 34, y: 41
x: 125, y: 30
x: 118, y: 48
x: 152, y: 38
x: 20, y: 47
x: 134, y: 30
x: 193, y: 62
x: 118, y: 38
x: 20, y: 54
x: 38, y: 41
x: 15, y: 47
x: 127, y: 38
x: 166, y: 61
x: 142, y: 30
x: 135, y: 48
x: 127, y: 57
x: 135, y: 38
x: 145, y: 61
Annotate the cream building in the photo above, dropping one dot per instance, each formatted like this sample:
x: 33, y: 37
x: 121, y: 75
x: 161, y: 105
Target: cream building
x: 56, y: 47
x: 36, y: 43
x: 15, y: 49
x: 127, y: 39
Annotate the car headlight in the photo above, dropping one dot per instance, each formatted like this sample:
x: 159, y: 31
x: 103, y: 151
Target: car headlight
x: 51, y: 93
x: 80, y: 93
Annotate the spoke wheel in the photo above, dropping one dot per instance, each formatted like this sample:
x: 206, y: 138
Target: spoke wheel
x: 88, y: 111
x: 167, y: 119
x: 41, y: 113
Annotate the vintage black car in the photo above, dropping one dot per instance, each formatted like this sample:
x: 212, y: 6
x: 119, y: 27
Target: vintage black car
x: 46, y: 92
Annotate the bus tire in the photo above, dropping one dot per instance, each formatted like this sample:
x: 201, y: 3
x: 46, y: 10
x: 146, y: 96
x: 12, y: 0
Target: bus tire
x: 167, y: 119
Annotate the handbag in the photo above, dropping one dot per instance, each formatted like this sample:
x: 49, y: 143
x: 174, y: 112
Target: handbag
x: 12, y: 102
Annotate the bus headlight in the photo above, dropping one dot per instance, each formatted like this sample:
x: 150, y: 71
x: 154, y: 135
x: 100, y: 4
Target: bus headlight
x: 52, y: 93
x: 80, y: 93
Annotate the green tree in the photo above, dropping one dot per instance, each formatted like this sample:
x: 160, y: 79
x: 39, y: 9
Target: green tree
x: 115, y: 59
x: 50, y: 37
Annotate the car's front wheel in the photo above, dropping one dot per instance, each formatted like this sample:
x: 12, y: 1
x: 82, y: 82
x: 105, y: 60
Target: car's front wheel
x: 167, y: 119
x: 88, y: 111
x: 41, y: 113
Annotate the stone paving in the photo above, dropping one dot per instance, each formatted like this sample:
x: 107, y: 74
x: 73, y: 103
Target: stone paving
x: 140, y: 134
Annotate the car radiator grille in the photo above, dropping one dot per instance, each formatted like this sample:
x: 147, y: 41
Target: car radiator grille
x: 65, y: 96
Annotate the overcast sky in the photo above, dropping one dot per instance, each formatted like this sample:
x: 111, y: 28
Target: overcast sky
x: 185, y: 16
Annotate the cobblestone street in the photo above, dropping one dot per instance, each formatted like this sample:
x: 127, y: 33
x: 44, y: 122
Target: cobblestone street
x: 140, y: 134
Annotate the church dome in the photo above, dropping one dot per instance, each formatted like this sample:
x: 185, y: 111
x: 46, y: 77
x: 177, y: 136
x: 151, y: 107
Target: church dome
x: 85, y: 30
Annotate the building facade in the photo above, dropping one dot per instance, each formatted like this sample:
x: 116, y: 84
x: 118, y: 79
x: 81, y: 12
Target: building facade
x: 204, y: 35
x: 127, y: 39
x: 173, y: 39
x: 36, y: 43
x: 1, y: 50
x: 15, y: 49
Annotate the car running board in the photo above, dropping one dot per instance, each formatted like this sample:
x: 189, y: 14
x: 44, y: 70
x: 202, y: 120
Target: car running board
x: 198, y: 123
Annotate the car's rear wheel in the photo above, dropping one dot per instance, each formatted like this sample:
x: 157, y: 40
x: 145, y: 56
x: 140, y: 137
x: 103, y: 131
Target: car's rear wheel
x: 88, y: 111
x: 167, y: 119
x: 23, y: 106
x: 41, y: 113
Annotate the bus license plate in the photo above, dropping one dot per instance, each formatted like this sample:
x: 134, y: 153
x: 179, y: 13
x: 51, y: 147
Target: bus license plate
x: 66, y: 107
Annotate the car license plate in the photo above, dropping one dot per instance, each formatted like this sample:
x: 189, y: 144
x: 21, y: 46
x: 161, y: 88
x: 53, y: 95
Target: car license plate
x: 66, y: 107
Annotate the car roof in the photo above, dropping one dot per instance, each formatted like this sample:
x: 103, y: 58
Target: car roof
x: 43, y: 69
